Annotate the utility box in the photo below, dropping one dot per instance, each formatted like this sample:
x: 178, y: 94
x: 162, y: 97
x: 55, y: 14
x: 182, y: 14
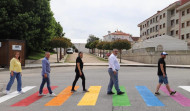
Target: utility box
x: 8, y: 48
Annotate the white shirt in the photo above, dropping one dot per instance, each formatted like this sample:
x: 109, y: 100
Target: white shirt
x: 113, y: 62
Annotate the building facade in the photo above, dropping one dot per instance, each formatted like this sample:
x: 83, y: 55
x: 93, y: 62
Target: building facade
x: 117, y: 35
x: 173, y: 20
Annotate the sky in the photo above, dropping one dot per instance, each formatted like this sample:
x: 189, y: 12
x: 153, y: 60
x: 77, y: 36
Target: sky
x: 80, y: 18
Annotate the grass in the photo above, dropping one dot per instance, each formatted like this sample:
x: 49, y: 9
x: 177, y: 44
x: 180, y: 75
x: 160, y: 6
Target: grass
x: 37, y: 55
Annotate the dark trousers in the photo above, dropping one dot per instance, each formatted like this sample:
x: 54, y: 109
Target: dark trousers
x: 76, y: 79
x: 44, y: 80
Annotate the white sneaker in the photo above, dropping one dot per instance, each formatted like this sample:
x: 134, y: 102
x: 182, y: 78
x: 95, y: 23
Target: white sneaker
x: 21, y: 92
x: 7, y: 92
x: 41, y: 94
x: 53, y: 95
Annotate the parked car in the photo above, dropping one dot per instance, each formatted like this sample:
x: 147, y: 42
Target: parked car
x: 69, y: 51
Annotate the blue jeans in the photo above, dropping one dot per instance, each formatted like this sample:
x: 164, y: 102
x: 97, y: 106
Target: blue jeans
x: 163, y: 79
x: 19, y: 82
x: 113, y: 81
x: 44, y: 80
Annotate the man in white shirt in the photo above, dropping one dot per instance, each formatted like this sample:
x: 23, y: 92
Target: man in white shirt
x: 113, y: 69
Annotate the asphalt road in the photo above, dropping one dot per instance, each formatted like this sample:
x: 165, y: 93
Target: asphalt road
x: 129, y: 77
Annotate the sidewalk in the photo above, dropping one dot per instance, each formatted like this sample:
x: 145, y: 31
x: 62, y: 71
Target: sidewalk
x: 90, y: 62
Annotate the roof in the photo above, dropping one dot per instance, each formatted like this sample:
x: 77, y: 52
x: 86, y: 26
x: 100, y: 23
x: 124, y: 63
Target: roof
x: 118, y: 33
x: 184, y: 1
x: 168, y: 42
x: 135, y: 38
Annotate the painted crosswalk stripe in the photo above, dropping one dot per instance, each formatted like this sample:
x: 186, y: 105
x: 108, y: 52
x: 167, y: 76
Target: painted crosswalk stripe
x: 120, y: 100
x: 32, y: 98
x: 179, y: 98
x: 187, y: 88
x: 61, y: 97
x: 149, y: 98
x: 14, y: 94
x: 90, y: 98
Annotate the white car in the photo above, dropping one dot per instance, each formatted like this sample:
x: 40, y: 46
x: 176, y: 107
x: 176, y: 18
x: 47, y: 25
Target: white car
x: 69, y: 51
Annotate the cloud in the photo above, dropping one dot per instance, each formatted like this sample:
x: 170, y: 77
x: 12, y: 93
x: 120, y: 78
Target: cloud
x: 80, y: 18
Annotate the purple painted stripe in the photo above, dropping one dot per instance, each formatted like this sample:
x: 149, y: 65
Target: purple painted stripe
x: 179, y: 98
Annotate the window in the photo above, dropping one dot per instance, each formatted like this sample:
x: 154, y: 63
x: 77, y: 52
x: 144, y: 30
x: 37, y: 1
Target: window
x: 183, y: 25
x: 187, y: 36
x: 172, y: 33
x: 172, y: 12
x: 172, y: 22
x: 150, y: 30
x: 160, y: 26
x: 145, y: 33
x: 188, y: 11
x: 160, y: 16
x: 177, y: 21
x: 182, y: 37
x: 177, y: 32
x: 147, y: 23
x: 143, y: 26
x: 188, y: 23
x: 151, y: 21
x: 164, y: 15
x: 164, y: 25
x: 183, y: 13
x: 153, y: 29
x: 156, y: 27
x: 156, y: 18
x: 177, y: 11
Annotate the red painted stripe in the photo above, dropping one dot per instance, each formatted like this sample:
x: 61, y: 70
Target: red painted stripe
x: 32, y: 98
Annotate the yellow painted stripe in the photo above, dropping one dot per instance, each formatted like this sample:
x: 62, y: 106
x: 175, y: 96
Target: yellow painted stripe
x: 61, y: 97
x: 90, y: 98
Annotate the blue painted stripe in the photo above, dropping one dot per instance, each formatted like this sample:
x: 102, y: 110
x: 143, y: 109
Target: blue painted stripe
x: 149, y: 98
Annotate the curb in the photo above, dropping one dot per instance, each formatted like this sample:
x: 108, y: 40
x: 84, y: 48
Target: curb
x: 122, y: 65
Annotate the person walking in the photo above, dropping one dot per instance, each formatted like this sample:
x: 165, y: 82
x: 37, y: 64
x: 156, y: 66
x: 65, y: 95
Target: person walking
x: 15, y: 72
x: 113, y: 69
x: 79, y: 73
x: 163, y: 75
x: 46, y: 75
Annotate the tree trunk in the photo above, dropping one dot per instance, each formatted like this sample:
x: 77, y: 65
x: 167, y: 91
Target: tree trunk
x: 103, y: 53
x: 60, y: 53
x: 100, y: 53
x: 57, y: 55
x: 64, y: 51
x: 120, y: 55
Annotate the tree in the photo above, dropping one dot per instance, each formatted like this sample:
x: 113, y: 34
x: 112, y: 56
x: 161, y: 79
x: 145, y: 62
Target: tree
x: 87, y: 45
x: 93, y: 45
x: 106, y: 46
x: 100, y: 47
x: 92, y: 38
x: 120, y: 45
x: 60, y: 42
x: 29, y: 20
x: 90, y: 45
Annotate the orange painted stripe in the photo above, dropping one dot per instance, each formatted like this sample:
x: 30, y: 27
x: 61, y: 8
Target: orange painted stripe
x: 61, y: 97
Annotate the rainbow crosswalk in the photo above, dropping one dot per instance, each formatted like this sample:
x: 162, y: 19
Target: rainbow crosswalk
x: 90, y: 98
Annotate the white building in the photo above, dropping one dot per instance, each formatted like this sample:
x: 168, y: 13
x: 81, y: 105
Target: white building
x: 173, y: 20
x: 117, y: 35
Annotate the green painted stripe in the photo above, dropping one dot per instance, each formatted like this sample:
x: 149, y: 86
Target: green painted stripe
x: 120, y: 100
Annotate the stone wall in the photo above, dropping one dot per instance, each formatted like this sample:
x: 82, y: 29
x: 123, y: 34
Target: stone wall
x: 151, y: 57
